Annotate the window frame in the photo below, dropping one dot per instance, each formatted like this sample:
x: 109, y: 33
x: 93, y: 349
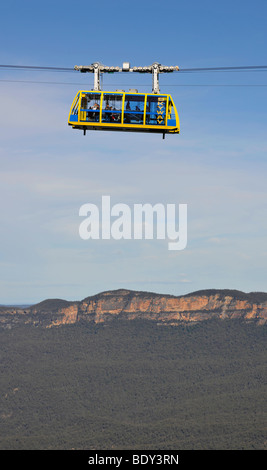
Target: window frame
x: 105, y: 111
x: 134, y: 98
x: 160, y: 97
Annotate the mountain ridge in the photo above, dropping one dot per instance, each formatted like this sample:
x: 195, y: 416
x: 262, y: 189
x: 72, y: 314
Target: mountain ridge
x: 130, y: 304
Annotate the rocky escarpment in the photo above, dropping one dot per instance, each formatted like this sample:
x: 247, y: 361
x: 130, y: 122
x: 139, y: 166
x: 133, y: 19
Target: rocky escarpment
x: 130, y: 305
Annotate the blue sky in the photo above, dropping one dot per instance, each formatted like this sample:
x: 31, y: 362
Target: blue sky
x: 217, y: 165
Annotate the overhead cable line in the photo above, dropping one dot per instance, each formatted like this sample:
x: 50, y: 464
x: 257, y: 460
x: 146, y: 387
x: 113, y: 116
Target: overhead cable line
x: 176, y: 69
x: 143, y: 85
x: 244, y: 68
x: 37, y: 68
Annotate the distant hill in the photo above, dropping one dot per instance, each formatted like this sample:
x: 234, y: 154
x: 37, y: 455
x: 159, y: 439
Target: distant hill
x: 257, y: 297
x: 51, y: 305
x: 129, y: 305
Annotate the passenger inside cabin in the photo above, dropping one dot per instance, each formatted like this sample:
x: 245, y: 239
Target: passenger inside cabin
x: 108, y: 106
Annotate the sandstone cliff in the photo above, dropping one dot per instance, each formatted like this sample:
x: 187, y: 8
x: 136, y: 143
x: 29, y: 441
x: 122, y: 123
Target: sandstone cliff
x: 130, y: 305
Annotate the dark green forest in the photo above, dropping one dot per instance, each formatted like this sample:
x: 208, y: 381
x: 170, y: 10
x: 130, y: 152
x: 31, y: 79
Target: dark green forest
x: 134, y: 385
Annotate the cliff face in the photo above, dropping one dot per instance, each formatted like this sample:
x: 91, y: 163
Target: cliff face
x: 194, y: 307
x: 130, y: 305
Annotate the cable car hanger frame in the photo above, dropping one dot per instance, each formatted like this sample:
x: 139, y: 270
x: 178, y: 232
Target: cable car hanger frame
x: 155, y: 69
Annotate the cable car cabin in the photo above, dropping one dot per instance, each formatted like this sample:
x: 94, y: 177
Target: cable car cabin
x: 124, y: 111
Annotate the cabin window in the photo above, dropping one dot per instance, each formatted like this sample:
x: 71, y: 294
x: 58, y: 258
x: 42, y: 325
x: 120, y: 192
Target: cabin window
x: 90, y: 107
x: 112, y: 108
x: 156, y: 110
x: 171, y: 119
x: 134, y: 109
x: 74, y: 110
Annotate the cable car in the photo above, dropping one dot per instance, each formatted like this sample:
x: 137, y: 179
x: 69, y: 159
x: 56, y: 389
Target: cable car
x: 124, y: 111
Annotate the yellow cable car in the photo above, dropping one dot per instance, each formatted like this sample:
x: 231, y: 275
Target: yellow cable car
x: 124, y: 111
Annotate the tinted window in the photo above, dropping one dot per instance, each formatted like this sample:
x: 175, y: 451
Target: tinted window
x: 75, y: 106
x: 90, y: 107
x: 156, y: 110
x: 171, y: 114
x: 112, y: 108
x: 134, y: 109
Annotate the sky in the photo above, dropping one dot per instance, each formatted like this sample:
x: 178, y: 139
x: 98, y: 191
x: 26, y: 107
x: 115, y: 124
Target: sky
x: 217, y: 165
